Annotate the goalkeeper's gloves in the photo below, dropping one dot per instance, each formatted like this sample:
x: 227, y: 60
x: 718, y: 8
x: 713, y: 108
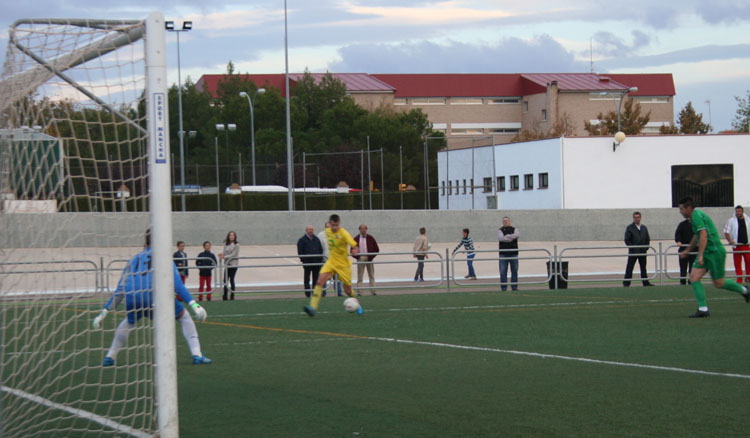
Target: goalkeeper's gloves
x: 200, y: 312
x: 99, y: 318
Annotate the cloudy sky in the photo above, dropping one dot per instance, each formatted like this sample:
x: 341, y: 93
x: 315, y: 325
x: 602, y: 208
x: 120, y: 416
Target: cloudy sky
x: 704, y: 44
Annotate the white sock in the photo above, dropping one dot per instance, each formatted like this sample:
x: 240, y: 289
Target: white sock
x: 190, y: 332
x: 703, y: 309
x: 121, y: 338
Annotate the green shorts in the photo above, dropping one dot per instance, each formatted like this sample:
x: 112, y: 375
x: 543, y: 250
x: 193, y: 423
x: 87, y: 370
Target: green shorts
x: 714, y: 263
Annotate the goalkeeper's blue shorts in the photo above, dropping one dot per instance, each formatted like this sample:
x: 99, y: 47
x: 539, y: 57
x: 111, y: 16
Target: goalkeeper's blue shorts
x: 139, y: 305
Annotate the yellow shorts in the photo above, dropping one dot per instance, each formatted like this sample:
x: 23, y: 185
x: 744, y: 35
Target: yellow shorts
x: 344, y: 271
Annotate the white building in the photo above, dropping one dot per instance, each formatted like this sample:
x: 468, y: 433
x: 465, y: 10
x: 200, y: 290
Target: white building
x: 589, y: 172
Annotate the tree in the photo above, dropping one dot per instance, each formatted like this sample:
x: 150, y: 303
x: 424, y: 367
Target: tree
x: 631, y: 121
x: 562, y: 126
x: 690, y: 122
x: 742, y: 118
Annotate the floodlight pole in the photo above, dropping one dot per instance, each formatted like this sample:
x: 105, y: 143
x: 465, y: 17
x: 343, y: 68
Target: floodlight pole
x: 252, y: 126
x: 218, y: 186
x: 180, y: 133
x: 290, y: 198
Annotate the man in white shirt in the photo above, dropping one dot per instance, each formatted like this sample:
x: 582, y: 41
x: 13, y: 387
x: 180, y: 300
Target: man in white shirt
x: 367, y: 245
x: 736, y: 232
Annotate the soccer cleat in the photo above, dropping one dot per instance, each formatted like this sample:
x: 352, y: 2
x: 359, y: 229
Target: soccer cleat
x: 700, y: 314
x: 309, y: 310
x: 746, y: 294
x: 360, y: 311
x: 108, y: 362
x: 201, y: 360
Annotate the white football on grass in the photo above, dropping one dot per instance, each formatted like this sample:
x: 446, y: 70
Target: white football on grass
x: 351, y: 305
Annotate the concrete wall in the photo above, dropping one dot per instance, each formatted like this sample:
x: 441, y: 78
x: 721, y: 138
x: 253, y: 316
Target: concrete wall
x: 269, y: 228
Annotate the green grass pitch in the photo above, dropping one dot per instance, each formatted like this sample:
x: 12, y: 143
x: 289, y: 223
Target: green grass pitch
x: 575, y: 362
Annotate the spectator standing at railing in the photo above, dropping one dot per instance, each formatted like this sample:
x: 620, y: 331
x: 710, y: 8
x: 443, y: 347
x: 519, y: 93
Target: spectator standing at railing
x: 468, y: 245
x: 206, y: 262
x: 367, y: 244
x: 421, y: 246
x: 310, y: 252
x: 230, y: 256
x: 736, y: 232
x: 180, y: 260
x: 682, y: 237
x: 636, y: 234
x: 508, y: 236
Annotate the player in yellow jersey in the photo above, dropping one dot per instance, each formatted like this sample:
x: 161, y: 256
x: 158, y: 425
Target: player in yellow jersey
x: 339, y: 241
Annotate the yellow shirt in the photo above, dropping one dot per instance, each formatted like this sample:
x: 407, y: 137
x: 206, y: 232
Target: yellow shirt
x: 338, y: 244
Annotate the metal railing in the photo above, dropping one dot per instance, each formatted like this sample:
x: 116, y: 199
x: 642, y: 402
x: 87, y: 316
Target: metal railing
x: 391, y: 274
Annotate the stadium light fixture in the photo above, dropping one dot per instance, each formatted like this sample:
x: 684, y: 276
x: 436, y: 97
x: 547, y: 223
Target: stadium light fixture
x: 186, y: 26
x: 252, y: 126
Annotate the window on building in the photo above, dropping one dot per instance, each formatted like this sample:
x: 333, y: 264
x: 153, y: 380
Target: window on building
x: 514, y: 182
x: 466, y: 100
x: 457, y: 187
x: 464, y: 187
x: 467, y: 131
x: 602, y: 95
x: 528, y: 181
x: 503, y: 100
x: 544, y: 115
x: 399, y: 101
x: 487, y: 185
x: 525, y: 106
x: 442, y: 189
x: 543, y: 180
x: 428, y: 101
x: 472, y: 186
x: 652, y: 99
x: 505, y: 130
x: 450, y: 187
x: 500, y: 183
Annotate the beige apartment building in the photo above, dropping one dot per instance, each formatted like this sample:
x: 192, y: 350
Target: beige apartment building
x: 477, y: 109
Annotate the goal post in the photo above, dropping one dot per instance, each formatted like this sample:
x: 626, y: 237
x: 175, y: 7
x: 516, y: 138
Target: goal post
x: 84, y: 171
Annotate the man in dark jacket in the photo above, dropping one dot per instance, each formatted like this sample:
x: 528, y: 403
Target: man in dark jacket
x: 636, y: 234
x: 310, y: 252
x: 682, y: 237
x: 508, y: 238
x: 367, y: 244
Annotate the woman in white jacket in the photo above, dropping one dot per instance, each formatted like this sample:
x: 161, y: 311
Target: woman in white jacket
x: 229, y: 254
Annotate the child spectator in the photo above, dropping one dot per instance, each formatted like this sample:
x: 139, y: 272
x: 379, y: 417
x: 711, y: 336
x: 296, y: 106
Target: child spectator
x: 206, y: 262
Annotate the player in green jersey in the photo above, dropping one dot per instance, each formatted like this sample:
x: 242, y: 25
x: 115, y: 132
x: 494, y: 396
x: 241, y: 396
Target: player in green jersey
x: 711, y: 257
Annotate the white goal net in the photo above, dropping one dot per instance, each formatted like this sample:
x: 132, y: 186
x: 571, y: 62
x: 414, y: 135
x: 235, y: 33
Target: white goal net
x: 74, y: 194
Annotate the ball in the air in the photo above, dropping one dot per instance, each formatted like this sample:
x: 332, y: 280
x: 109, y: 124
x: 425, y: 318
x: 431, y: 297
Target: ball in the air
x: 351, y: 305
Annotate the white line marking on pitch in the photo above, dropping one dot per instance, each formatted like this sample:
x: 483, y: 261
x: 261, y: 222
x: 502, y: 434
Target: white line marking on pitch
x: 490, y: 307
x: 77, y: 412
x: 557, y: 356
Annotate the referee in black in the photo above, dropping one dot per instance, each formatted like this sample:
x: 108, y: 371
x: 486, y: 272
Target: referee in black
x: 682, y: 237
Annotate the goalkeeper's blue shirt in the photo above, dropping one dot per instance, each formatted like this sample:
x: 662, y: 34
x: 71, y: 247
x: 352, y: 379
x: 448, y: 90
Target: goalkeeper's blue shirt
x: 135, y: 284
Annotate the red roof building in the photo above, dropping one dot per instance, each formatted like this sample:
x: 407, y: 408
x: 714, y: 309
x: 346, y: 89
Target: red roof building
x: 498, y: 106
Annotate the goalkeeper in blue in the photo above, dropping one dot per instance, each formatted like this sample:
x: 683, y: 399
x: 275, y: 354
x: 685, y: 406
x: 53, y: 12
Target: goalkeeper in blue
x: 135, y: 288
